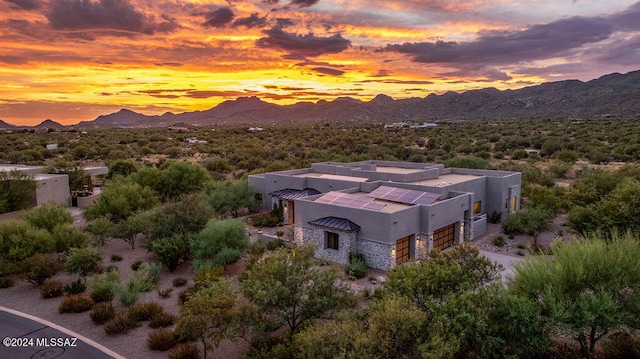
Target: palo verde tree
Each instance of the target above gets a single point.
(287, 289)
(209, 315)
(17, 191)
(588, 290)
(120, 199)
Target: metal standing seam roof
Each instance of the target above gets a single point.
(290, 194)
(341, 224)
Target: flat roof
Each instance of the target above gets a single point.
(446, 180)
(10, 167)
(332, 177)
(399, 170)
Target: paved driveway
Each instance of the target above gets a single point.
(25, 336)
(506, 261)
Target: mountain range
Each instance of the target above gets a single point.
(610, 95)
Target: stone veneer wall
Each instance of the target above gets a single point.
(345, 244)
(422, 246)
(377, 255)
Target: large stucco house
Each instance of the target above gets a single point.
(391, 212)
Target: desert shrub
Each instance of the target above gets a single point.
(144, 311)
(66, 236)
(111, 268)
(128, 297)
(39, 267)
(218, 237)
(48, 216)
(116, 258)
(140, 282)
(102, 313)
(621, 345)
(184, 294)
(184, 351)
(179, 282)
(165, 293)
(227, 256)
(135, 265)
(76, 303)
(273, 245)
(257, 247)
(208, 273)
(151, 270)
(494, 217)
(498, 241)
(357, 267)
(84, 261)
(169, 251)
(20, 240)
(6, 282)
(100, 229)
(104, 289)
(163, 319)
(75, 287)
(51, 289)
(161, 339)
(120, 324)
(267, 220)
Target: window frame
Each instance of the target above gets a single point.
(331, 240)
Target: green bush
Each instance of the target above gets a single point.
(128, 297)
(76, 303)
(357, 267)
(66, 236)
(267, 220)
(116, 258)
(227, 256)
(75, 287)
(275, 244)
(120, 324)
(216, 238)
(161, 339)
(51, 289)
(498, 241)
(144, 311)
(19, 240)
(179, 282)
(84, 261)
(102, 313)
(141, 281)
(207, 272)
(104, 290)
(48, 216)
(169, 251)
(39, 267)
(163, 319)
(184, 351)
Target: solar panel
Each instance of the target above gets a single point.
(349, 200)
(403, 195)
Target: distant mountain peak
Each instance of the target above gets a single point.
(48, 123)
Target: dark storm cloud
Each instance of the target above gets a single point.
(104, 14)
(629, 19)
(252, 21)
(620, 53)
(282, 22)
(219, 17)
(304, 3)
(26, 4)
(328, 71)
(497, 48)
(305, 45)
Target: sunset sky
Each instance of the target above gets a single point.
(73, 60)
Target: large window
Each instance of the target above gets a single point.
(477, 208)
(332, 240)
(402, 250)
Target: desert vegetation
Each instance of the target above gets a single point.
(179, 203)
